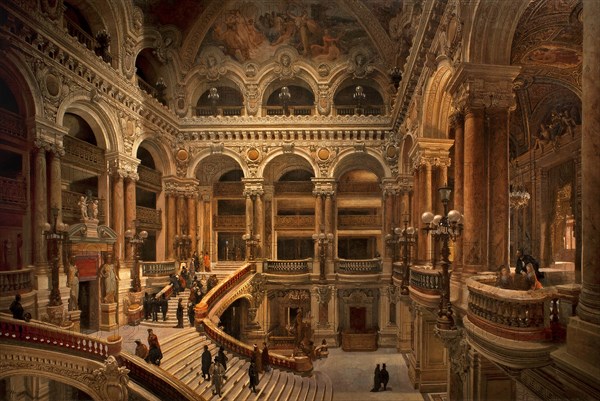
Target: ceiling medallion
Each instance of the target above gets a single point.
(391, 152)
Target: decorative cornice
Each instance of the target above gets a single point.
(122, 165)
(253, 187)
(431, 152)
(324, 186)
(175, 186)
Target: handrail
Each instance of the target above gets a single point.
(287, 266)
(16, 281)
(56, 337)
(426, 281)
(161, 268)
(158, 381)
(358, 266)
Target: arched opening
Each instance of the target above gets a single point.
(220, 100)
(291, 99)
(358, 97)
(148, 77)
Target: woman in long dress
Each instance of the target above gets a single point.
(108, 273)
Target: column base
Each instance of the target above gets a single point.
(108, 316)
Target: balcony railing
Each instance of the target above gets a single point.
(83, 154)
(230, 222)
(293, 110)
(149, 178)
(370, 110)
(12, 124)
(294, 222)
(16, 281)
(364, 266)
(225, 111)
(158, 268)
(148, 217)
(288, 266)
(294, 187)
(71, 209)
(427, 281)
(228, 189)
(353, 221)
(13, 193)
(359, 187)
(515, 314)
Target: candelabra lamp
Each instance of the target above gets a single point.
(252, 241)
(136, 239)
(284, 97)
(323, 240)
(213, 97)
(359, 97)
(407, 238)
(55, 235)
(444, 228)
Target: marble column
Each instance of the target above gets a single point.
(442, 181)
(427, 189)
(457, 123)
(191, 229)
(318, 221)
(206, 227)
(388, 210)
(181, 224)
(118, 216)
(589, 301)
(249, 213)
(259, 224)
(418, 210)
(130, 212)
(498, 187)
(474, 193)
(40, 214)
(171, 226)
(329, 225)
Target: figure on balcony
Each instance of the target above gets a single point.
(522, 261)
(17, 309)
(532, 280)
(109, 279)
(504, 279)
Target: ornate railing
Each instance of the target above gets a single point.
(13, 192)
(16, 281)
(12, 124)
(287, 266)
(228, 189)
(52, 336)
(346, 221)
(160, 383)
(371, 110)
(427, 281)
(149, 177)
(83, 154)
(294, 222)
(158, 268)
(222, 222)
(305, 187)
(363, 266)
(514, 314)
(83, 37)
(148, 217)
(293, 110)
(146, 87)
(358, 187)
(226, 111)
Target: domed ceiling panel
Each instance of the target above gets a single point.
(320, 30)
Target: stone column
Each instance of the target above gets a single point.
(428, 205)
(249, 213)
(388, 207)
(318, 220)
(498, 187)
(589, 301)
(259, 224)
(181, 223)
(130, 212)
(171, 225)
(207, 226)
(457, 123)
(40, 214)
(191, 229)
(118, 216)
(329, 226)
(418, 210)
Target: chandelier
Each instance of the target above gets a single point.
(519, 197)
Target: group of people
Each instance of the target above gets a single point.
(197, 265)
(151, 353)
(527, 274)
(214, 369)
(381, 377)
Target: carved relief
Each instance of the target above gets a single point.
(112, 380)
(212, 64)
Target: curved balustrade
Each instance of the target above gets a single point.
(427, 281)
(287, 266)
(52, 336)
(156, 380)
(219, 290)
(513, 314)
(158, 268)
(363, 266)
(16, 281)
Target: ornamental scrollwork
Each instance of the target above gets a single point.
(258, 288)
(112, 380)
(323, 293)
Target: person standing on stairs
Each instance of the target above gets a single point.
(266, 364)
(179, 314)
(218, 374)
(206, 362)
(164, 307)
(191, 314)
(252, 376)
(222, 360)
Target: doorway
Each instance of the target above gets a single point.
(358, 319)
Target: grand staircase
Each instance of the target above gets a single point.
(181, 358)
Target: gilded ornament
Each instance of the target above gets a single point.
(182, 155)
(323, 154)
(391, 151)
(253, 154)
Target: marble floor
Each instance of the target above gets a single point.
(351, 373)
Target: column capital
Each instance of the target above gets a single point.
(431, 152)
(122, 165)
(253, 187)
(478, 86)
(49, 137)
(389, 186)
(176, 186)
(324, 186)
(457, 119)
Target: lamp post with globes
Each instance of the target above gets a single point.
(407, 239)
(444, 228)
(136, 240)
(323, 240)
(55, 235)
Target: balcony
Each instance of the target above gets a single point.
(83, 154)
(298, 222)
(350, 110)
(13, 194)
(149, 218)
(359, 266)
(292, 110)
(12, 125)
(287, 266)
(224, 111)
(352, 221)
